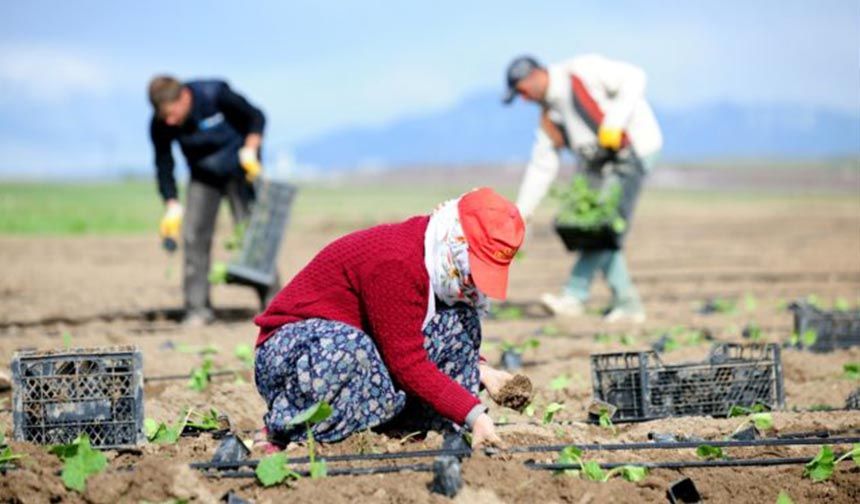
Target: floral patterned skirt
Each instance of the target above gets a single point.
(324, 360)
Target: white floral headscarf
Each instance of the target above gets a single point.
(446, 257)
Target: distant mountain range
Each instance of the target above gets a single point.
(480, 130)
(108, 137)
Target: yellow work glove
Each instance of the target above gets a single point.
(610, 138)
(171, 225)
(250, 163)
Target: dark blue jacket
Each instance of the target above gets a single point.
(210, 138)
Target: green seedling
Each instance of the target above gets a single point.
(592, 470)
(720, 305)
(6, 453)
(851, 370)
(750, 302)
(783, 498)
(207, 421)
(754, 332)
(627, 340)
(80, 461)
(162, 433)
(588, 209)
(550, 411)
(605, 420)
(529, 411)
(204, 350)
(201, 376)
(218, 273)
(806, 339)
(245, 353)
(520, 348)
(507, 312)
(841, 305)
(736, 411)
(67, 339)
(821, 407)
(822, 466)
(809, 337)
(603, 338)
(273, 470)
(317, 413)
(560, 382)
(709, 452)
(814, 301)
(550, 330)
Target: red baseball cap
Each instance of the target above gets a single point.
(494, 230)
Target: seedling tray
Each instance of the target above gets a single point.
(643, 388)
(833, 329)
(256, 262)
(577, 238)
(61, 394)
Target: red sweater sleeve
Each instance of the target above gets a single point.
(395, 306)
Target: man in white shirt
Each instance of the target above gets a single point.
(595, 107)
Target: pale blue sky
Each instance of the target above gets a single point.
(317, 65)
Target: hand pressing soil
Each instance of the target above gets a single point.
(516, 393)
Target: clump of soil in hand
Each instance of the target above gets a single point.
(515, 394)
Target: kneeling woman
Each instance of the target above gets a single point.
(390, 314)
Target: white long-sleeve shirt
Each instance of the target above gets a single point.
(582, 94)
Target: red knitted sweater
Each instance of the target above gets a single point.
(375, 280)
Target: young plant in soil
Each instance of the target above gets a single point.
(6, 453)
(604, 419)
(245, 353)
(507, 312)
(550, 411)
(783, 498)
(757, 415)
(317, 413)
(163, 433)
(709, 452)
(273, 469)
(560, 382)
(822, 466)
(592, 471)
(806, 339)
(851, 371)
(80, 461)
(201, 376)
(750, 302)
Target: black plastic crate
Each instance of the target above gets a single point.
(61, 394)
(833, 329)
(256, 262)
(643, 388)
(577, 238)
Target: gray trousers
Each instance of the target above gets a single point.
(201, 212)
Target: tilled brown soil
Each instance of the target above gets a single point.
(98, 291)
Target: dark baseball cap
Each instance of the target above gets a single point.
(519, 69)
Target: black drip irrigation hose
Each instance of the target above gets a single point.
(680, 464)
(351, 471)
(342, 458)
(221, 466)
(675, 445)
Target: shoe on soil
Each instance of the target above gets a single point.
(564, 305)
(621, 314)
(198, 318)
